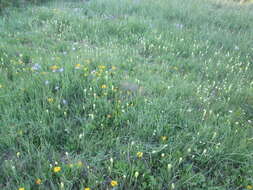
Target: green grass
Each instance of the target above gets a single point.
(90, 86)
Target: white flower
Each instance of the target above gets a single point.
(61, 70)
(64, 101)
(62, 185)
(91, 116)
(136, 174)
(18, 154)
(81, 135)
(180, 26)
(214, 135)
(36, 67)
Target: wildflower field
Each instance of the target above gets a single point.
(126, 95)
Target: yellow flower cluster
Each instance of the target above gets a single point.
(57, 169)
(54, 67)
(101, 67)
(78, 66)
(50, 100)
(114, 183)
(139, 154)
(164, 138)
(38, 181)
(104, 86)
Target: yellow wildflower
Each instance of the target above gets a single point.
(21, 188)
(1, 86)
(50, 100)
(38, 181)
(87, 188)
(103, 86)
(101, 67)
(114, 68)
(249, 187)
(114, 183)
(77, 66)
(139, 154)
(57, 169)
(54, 67)
(164, 138)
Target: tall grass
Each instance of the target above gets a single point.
(17, 3)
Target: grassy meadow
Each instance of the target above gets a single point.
(127, 94)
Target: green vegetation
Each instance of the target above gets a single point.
(18, 3)
(126, 94)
